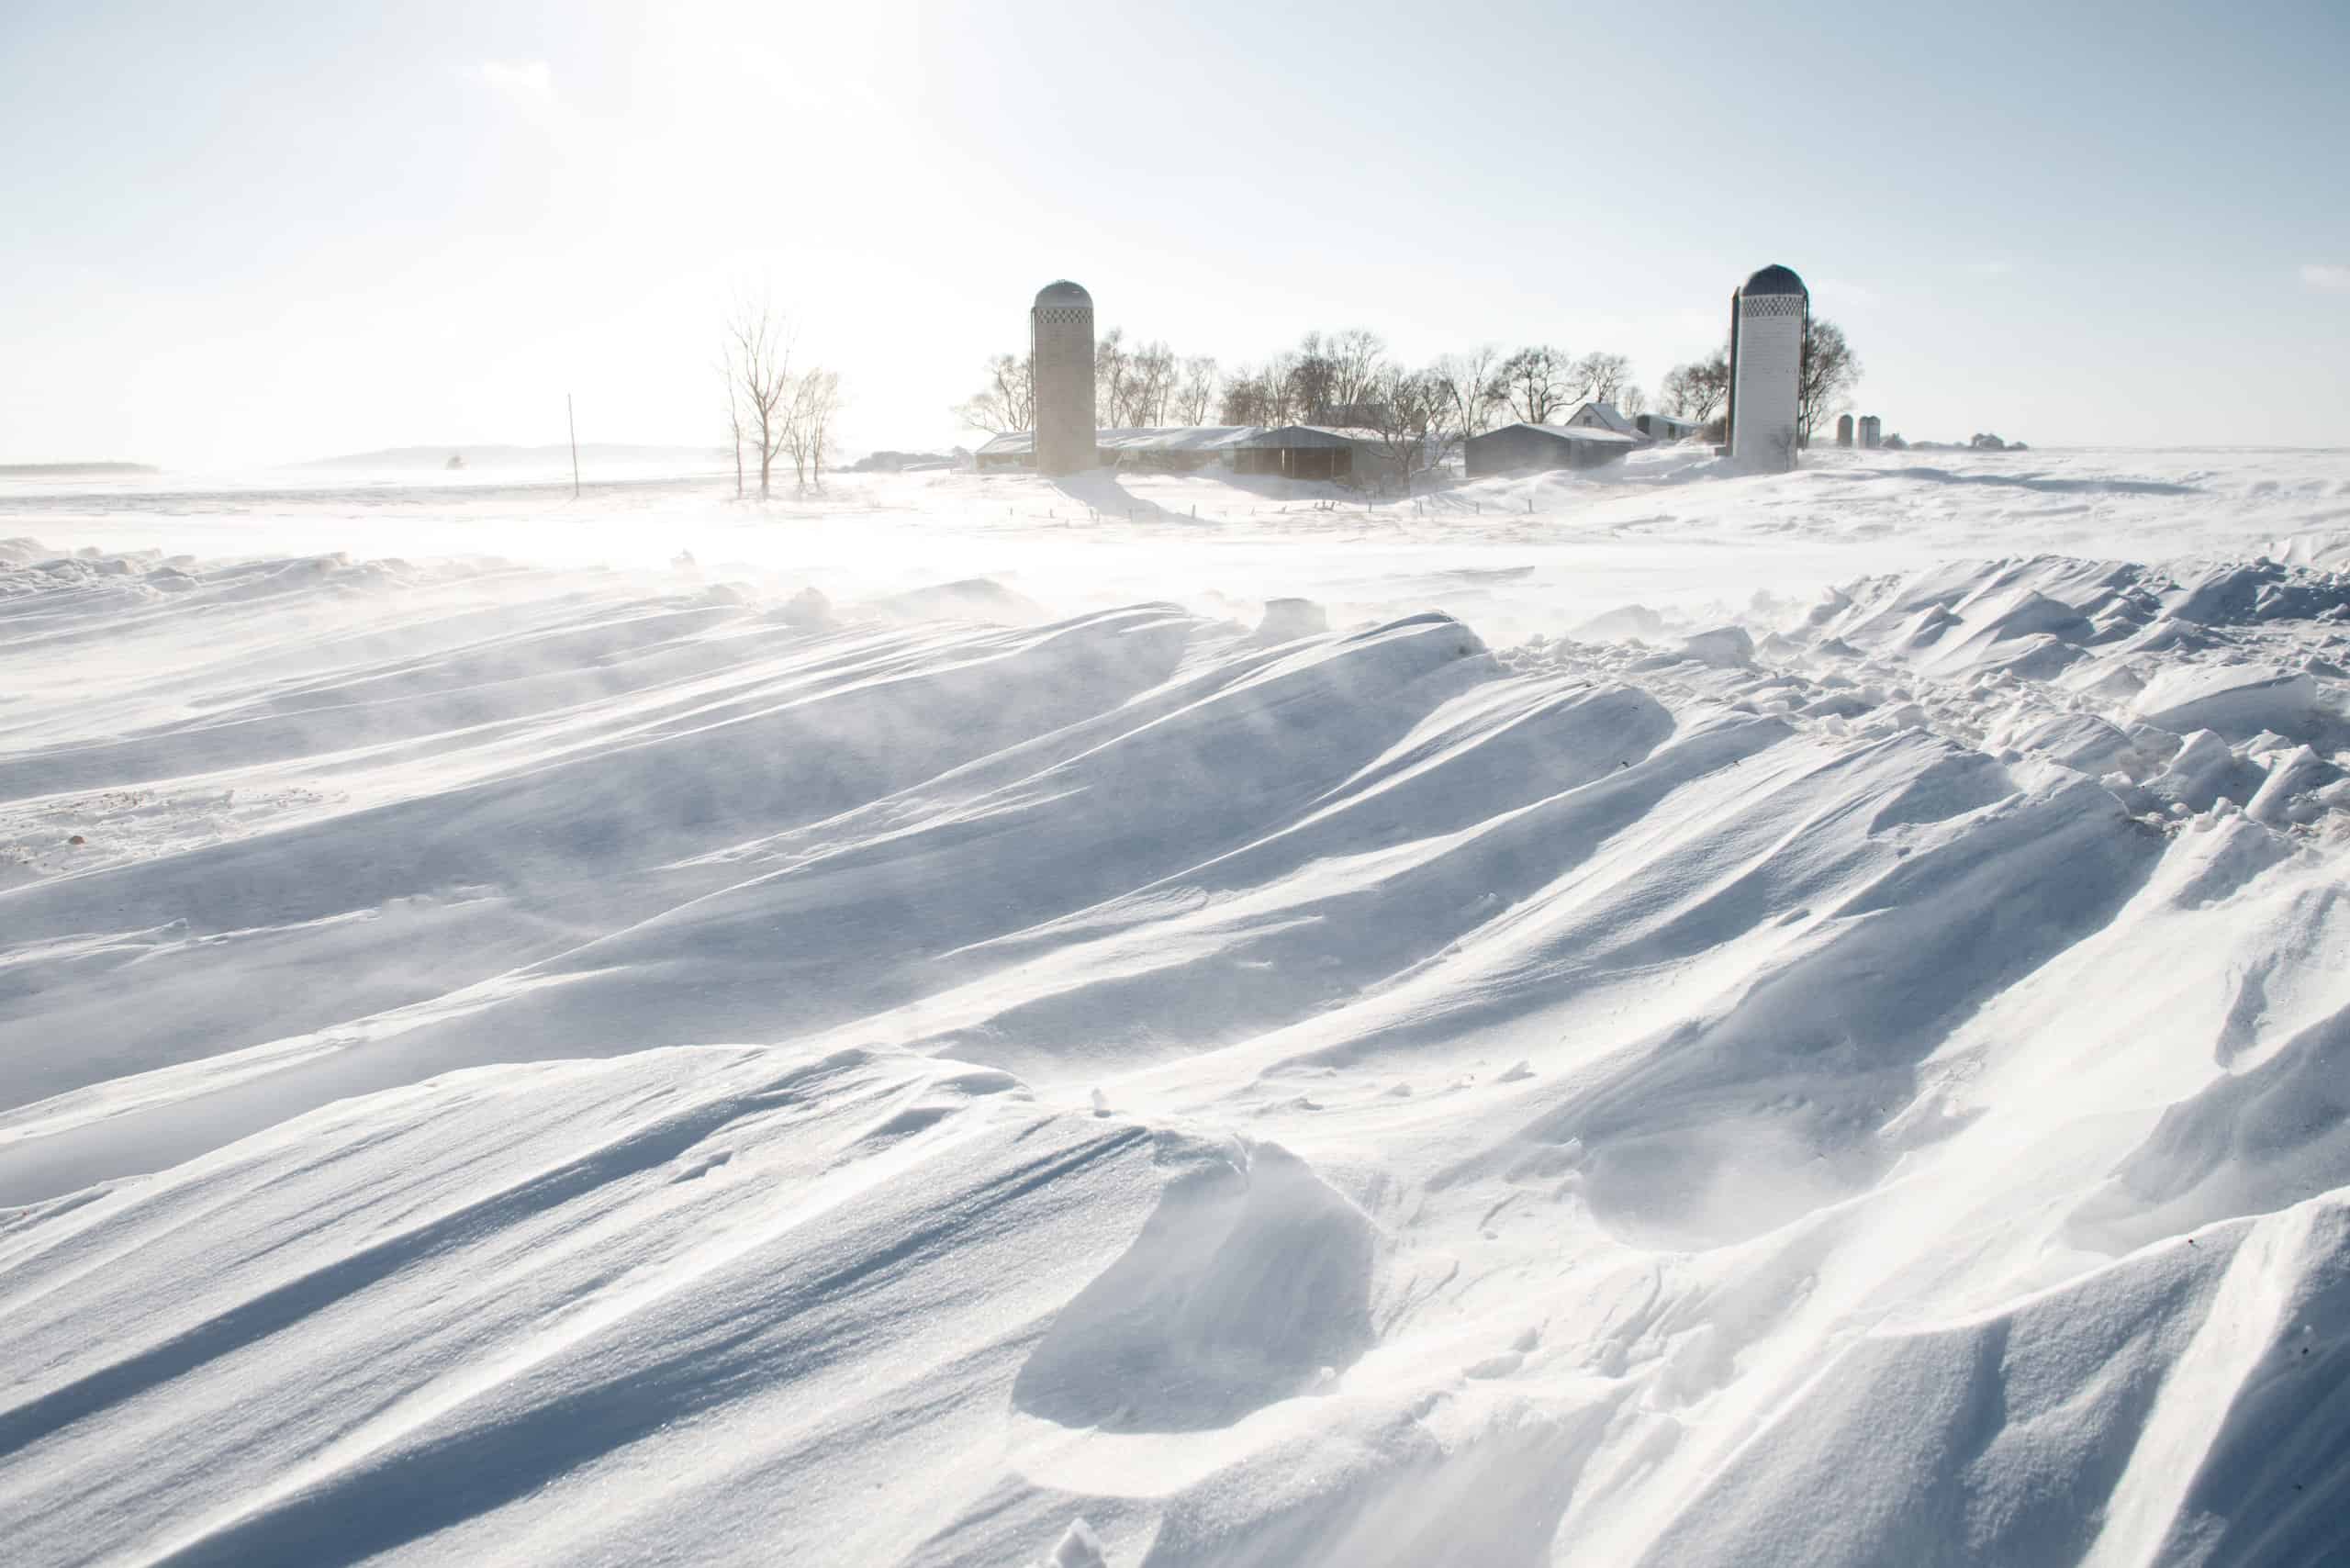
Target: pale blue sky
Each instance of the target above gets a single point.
(260, 233)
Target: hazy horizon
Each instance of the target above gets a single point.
(317, 234)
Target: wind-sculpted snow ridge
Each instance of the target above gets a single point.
(1861, 1086)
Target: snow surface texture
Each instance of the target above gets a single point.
(1739, 1079)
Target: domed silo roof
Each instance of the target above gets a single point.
(1773, 279)
(1063, 293)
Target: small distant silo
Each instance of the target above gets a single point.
(1843, 430)
(1060, 343)
(1872, 430)
(1768, 316)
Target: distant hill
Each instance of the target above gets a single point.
(558, 455)
(72, 470)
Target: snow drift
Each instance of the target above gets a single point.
(506, 1065)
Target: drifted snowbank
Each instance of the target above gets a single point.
(1862, 1086)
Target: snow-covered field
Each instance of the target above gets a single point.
(1638, 1019)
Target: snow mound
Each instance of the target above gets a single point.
(2235, 699)
(1286, 619)
(1862, 1086)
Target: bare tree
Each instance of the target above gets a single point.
(1111, 366)
(1313, 378)
(1632, 400)
(1414, 414)
(759, 379)
(1536, 383)
(1698, 391)
(1278, 382)
(1149, 386)
(1830, 370)
(1676, 393)
(1357, 358)
(1243, 401)
(1195, 393)
(817, 399)
(1266, 395)
(1599, 378)
(1008, 402)
(733, 424)
(1472, 382)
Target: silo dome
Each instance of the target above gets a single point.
(1064, 293)
(1773, 279)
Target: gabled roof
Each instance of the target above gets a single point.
(1144, 438)
(1311, 435)
(1173, 438)
(1586, 433)
(1608, 414)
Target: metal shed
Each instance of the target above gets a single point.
(1525, 448)
(1013, 450)
(1335, 452)
(1179, 448)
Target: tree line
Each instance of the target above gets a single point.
(1348, 378)
(1418, 415)
(1329, 378)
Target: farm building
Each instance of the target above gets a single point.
(1316, 452)
(1173, 449)
(1176, 449)
(1524, 449)
(1665, 427)
(1600, 417)
(1007, 453)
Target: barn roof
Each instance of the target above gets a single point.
(1311, 435)
(1173, 438)
(1586, 433)
(1607, 414)
(1144, 438)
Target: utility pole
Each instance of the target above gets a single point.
(573, 426)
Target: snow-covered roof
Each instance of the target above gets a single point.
(1311, 435)
(1141, 438)
(1173, 438)
(1608, 414)
(1569, 432)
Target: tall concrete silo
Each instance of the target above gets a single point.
(1843, 430)
(1060, 340)
(1768, 316)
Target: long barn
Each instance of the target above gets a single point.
(1526, 449)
